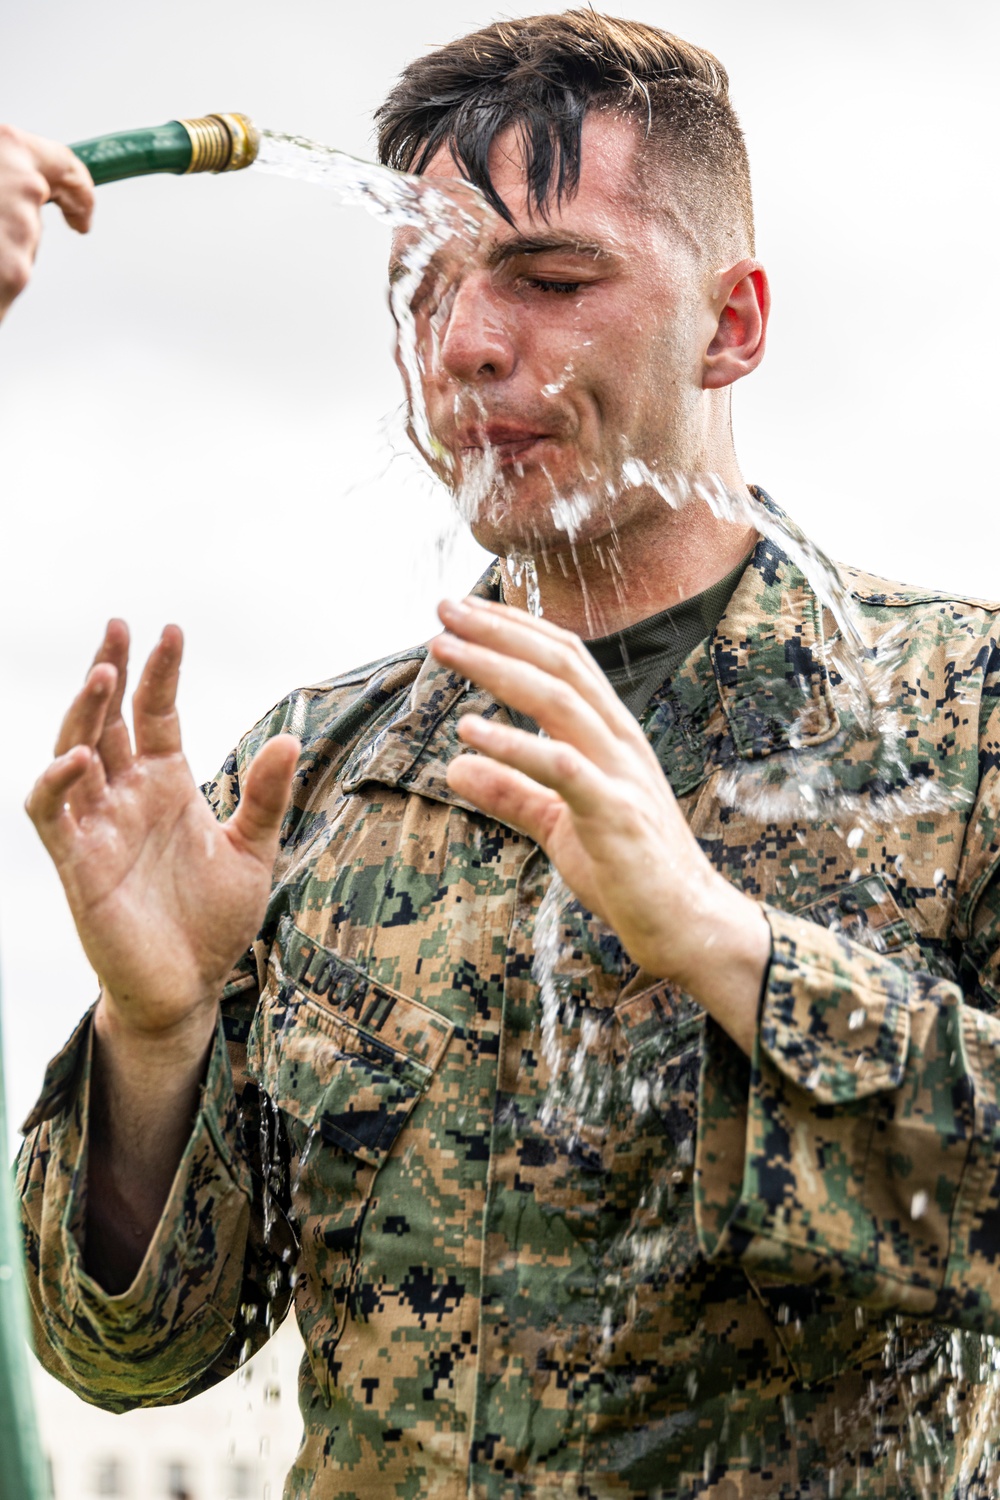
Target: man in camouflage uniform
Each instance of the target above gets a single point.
(683, 1184)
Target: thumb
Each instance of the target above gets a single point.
(264, 799)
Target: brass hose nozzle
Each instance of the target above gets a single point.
(221, 143)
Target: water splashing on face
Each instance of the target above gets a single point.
(439, 215)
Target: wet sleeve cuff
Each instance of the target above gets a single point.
(839, 1152)
(174, 1319)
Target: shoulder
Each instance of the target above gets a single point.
(340, 709)
(872, 591)
(938, 641)
(328, 718)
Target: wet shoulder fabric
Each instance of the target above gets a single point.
(606, 1256)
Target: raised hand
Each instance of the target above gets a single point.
(164, 897)
(34, 172)
(594, 796)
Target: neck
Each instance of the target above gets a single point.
(602, 585)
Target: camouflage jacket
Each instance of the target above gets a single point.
(609, 1257)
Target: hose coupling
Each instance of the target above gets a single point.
(221, 143)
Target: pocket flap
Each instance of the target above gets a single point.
(342, 1054)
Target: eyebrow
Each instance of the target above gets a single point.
(542, 244)
(537, 244)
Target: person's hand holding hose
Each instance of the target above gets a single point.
(34, 172)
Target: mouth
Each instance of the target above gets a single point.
(509, 445)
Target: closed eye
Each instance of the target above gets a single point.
(564, 288)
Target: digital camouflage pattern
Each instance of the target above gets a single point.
(620, 1259)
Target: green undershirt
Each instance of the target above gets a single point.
(640, 658)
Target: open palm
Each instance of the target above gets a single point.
(164, 897)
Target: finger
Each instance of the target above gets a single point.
(264, 798)
(115, 745)
(84, 719)
(559, 767)
(533, 639)
(69, 183)
(557, 706)
(505, 794)
(47, 805)
(154, 704)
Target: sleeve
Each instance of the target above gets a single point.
(217, 1277)
(859, 1148)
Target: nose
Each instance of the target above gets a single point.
(476, 345)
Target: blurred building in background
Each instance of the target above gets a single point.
(235, 1442)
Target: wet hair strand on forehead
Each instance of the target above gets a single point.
(541, 75)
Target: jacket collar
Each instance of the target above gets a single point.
(757, 686)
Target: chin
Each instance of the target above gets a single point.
(508, 526)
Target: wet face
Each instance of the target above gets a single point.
(557, 349)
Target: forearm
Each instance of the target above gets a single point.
(145, 1092)
(170, 1332)
(728, 950)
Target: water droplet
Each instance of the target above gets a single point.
(854, 838)
(813, 1080)
(857, 1018)
(918, 1206)
(640, 1096)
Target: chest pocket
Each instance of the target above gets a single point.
(344, 1061)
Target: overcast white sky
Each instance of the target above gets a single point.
(192, 401)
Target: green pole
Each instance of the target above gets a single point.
(23, 1473)
(211, 143)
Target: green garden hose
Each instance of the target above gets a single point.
(212, 143)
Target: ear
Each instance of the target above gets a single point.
(737, 347)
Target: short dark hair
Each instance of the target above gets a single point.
(542, 74)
